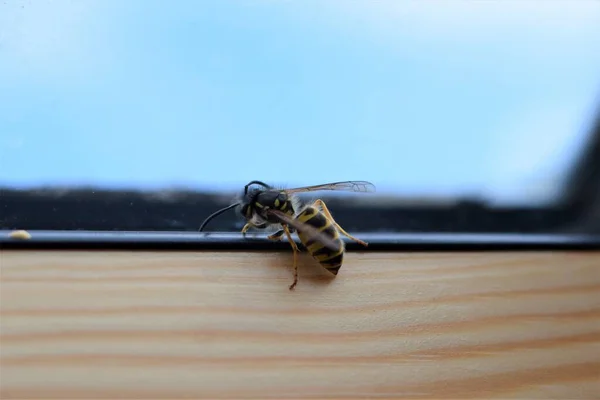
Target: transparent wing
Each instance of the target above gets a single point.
(305, 228)
(348, 186)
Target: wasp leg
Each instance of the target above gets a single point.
(296, 251)
(277, 235)
(246, 227)
(321, 204)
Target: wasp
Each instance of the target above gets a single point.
(263, 206)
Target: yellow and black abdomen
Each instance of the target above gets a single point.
(328, 258)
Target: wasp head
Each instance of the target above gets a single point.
(253, 203)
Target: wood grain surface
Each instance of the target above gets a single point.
(224, 325)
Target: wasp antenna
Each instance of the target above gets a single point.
(216, 213)
(255, 183)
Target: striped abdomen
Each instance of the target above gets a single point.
(329, 259)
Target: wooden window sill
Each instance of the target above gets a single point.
(144, 324)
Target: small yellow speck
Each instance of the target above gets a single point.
(21, 234)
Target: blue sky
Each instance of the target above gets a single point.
(421, 98)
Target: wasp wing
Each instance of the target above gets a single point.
(305, 228)
(348, 186)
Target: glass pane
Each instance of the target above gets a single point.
(430, 101)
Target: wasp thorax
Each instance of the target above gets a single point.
(270, 199)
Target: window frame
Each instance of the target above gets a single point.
(579, 209)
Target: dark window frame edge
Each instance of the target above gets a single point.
(150, 241)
